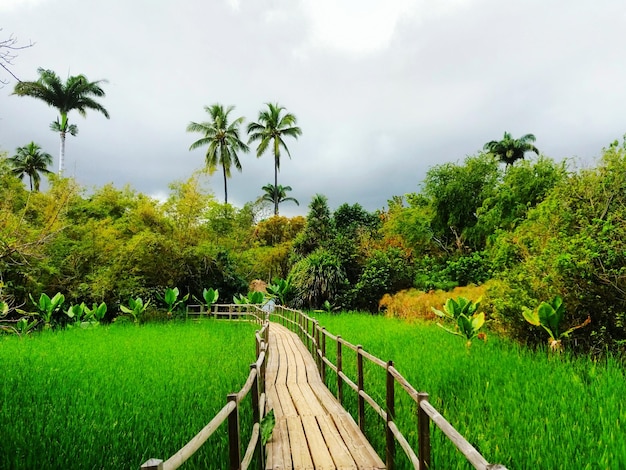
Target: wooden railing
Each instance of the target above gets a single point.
(255, 384)
(224, 311)
(315, 338)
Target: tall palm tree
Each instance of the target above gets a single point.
(223, 141)
(509, 150)
(277, 195)
(30, 160)
(271, 127)
(77, 93)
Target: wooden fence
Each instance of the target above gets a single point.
(316, 337)
(255, 384)
(224, 311)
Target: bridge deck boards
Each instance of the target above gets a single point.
(313, 431)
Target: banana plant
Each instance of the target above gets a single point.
(327, 307)
(24, 326)
(254, 297)
(4, 309)
(280, 290)
(46, 307)
(135, 308)
(210, 296)
(465, 313)
(76, 312)
(549, 315)
(95, 314)
(172, 300)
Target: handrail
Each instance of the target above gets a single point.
(255, 384)
(314, 337)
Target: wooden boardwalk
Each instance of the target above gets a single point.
(313, 431)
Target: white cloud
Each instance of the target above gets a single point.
(365, 26)
(234, 4)
(354, 26)
(7, 5)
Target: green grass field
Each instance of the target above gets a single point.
(112, 397)
(519, 408)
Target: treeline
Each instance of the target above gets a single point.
(529, 231)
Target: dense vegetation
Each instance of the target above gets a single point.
(113, 397)
(528, 231)
(519, 408)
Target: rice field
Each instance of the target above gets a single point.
(519, 408)
(112, 397)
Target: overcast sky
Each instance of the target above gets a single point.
(382, 90)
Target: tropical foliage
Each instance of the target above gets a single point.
(524, 233)
(29, 161)
(269, 131)
(509, 150)
(277, 195)
(222, 140)
(76, 93)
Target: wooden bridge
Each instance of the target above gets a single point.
(313, 430)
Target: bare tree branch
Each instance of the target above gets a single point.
(8, 48)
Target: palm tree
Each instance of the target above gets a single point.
(223, 141)
(270, 129)
(277, 195)
(509, 150)
(76, 93)
(30, 160)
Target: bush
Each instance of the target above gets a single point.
(385, 272)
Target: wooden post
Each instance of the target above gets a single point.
(254, 391)
(423, 432)
(323, 372)
(306, 333)
(339, 379)
(234, 436)
(153, 464)
(391, 411)
(263, 367)
(318, 358)
(360, 399)
(257, 415)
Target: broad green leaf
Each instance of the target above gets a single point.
(478, 321)
(267, 427)
(531, 316)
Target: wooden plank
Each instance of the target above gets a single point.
(308, 362)
(278, 451)
(317, 444)
(281, 376)
(287, 405)
(300, 456)
(273, 362)
(273, 402)
(337, 448)
(360, 449)
(313, 429)
(297, 357)
(303, 407)
(311, 398)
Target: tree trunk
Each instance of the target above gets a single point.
(225, 187)
(276, 195)
(62, 153)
